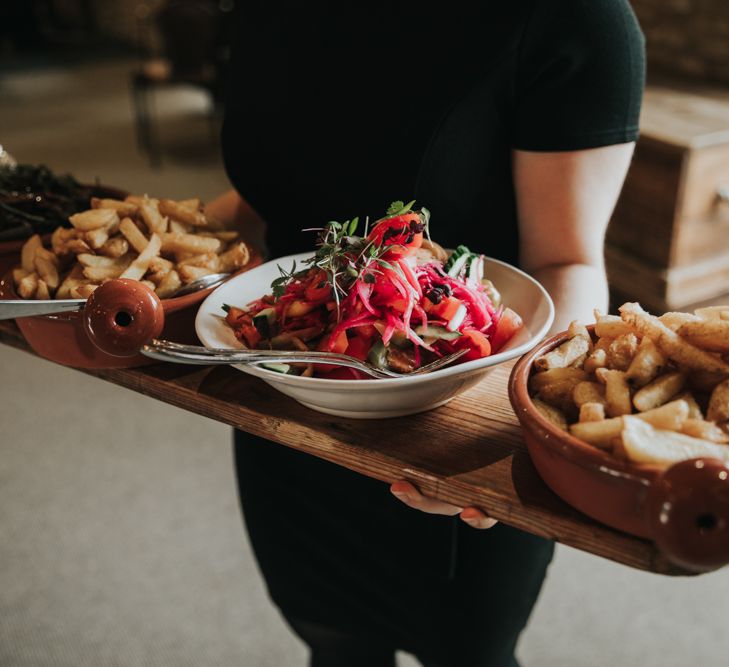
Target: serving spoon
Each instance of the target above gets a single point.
(13, 308)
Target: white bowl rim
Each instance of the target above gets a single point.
(459, 369)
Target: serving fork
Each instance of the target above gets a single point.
(163, 350)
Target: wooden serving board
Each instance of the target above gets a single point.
(468, 452)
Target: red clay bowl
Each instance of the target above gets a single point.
(63, 337)
(684, 509)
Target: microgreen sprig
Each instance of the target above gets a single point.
(345, 257)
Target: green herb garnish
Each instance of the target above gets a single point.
(398, 208)
(345, 257)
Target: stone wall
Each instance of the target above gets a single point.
(687, 38)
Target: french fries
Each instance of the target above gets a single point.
(121, 207)
(658, 391)
(645, 444)
(139, 266)
(94, 218)
(27, 254)
(551, 413)
(185, 214)
(617, 392)
(592, 412)
(719, 403)
(698, 428)
(556, 376)
(707, 334)
(621, 352)
(588, 392)
(669, 342)
(646, 364)
(133, 234)
(640, 390)
(191, 244)
(564, 355)
(598, 433)
(161, 243)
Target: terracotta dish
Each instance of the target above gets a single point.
(684, 509)
(118, 319)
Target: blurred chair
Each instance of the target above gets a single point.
(193, 53)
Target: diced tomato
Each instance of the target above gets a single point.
(321, 370)
(368, 332)
(318, 288)
(338, 344)
(479, 346)
(384, 291)
(400, 305)
(251, 335)
(446, 309)
(298, 308)
(509, 323)
(234, 315)
(358, 348)
(403, 232)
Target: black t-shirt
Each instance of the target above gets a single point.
(336, 109)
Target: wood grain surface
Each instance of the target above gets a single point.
(469, 452)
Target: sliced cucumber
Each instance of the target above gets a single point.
(378, 355)
(459, 265)
(398, 339)
(284, 369)
(475, 268)
(457, 319)
(455, 255)
(264, 320)
(493, 293)
(436, 332)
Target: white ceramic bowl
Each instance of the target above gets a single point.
(374, 399)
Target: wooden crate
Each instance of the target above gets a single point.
(668, 242)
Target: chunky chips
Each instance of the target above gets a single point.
(162, 243)
(650, 389)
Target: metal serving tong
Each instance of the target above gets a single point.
(12, 308)
(163, 350)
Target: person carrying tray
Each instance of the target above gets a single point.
(514, 123)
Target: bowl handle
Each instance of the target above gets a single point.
(688, 513)
(121, 316)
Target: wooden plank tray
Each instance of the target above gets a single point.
(469, 452)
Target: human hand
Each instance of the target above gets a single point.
(408, 494)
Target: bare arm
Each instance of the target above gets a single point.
(564, 203)
(234, 211)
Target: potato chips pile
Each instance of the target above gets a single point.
(648, 389)
(160, 242)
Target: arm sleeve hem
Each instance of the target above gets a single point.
(578, 141)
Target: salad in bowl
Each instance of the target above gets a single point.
(390, 297)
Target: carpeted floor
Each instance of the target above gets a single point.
(120, 538)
